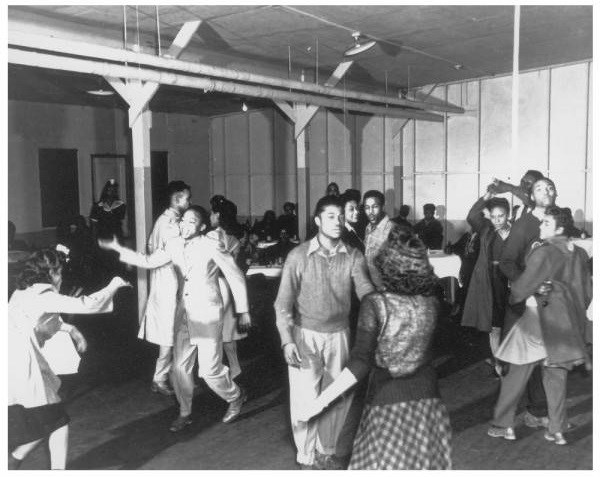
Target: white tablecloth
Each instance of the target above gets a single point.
(444, 265)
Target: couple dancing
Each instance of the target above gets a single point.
(198, 261)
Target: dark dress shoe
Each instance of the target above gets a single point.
(180, 423)
(162, 388)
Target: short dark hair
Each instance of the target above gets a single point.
(289, 205)
(498, 202)
(429, 207)
(177, 186)
(536, 175)
(404, 210)
(375, 194)
(201, 213)
(326, 201)
(38, 266)
(227, 211)
(562, 216)
(349, 195)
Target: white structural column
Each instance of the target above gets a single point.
(302, 185)
(142, 180)
(515, 98)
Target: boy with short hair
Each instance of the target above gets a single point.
(312, 309)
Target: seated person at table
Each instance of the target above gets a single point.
(267, 229)
(430, 230)
(289, 220)
(248, 253)
(402, 218)
(278, 253)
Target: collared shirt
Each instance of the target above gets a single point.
(316, 287)
(374, 239)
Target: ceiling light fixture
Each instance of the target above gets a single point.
(100, 92)
(244, 107)
(358, 46)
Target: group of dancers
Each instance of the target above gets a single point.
(356, 316)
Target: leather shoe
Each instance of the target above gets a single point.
(180, 423)
(162, 388)
(235, 407)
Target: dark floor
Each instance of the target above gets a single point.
(117, 423)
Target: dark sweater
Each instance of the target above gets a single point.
(523, 233)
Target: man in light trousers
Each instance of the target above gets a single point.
(312, 309)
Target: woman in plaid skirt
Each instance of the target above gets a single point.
(404, 424)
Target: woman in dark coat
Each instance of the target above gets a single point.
(488, 289)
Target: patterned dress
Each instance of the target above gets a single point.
(404, 424)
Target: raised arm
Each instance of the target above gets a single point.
(99, 302)
(475, 217)
(155, 260)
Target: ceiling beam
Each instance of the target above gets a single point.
(51, 61)
(305, 113)
(149, 89)
(99, 52)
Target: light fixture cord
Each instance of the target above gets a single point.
(158, 31)
(125, 29)
(317, 60)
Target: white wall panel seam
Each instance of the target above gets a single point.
(587, 129)
(547, 172)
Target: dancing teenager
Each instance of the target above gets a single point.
(312, 310)
(404, 424)
(556, 289)
(35, 411)
(158, 323)
(198, 261)
(485, 304)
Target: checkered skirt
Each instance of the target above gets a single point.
(404, 435)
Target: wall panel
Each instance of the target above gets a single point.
(463, 129)
(236, 144)
(495, 125)
(370, 143)
(340, 134)
(533, 119)
(261, 142)
(317, 143)
(568, 118)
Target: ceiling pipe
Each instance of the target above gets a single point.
(70, 47)
(45, 60)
